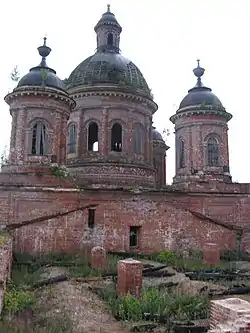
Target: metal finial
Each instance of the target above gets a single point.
(198, 72)
(108, 8)
(44, 51)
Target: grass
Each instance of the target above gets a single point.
(173, 305)
(27, 269)
(193, 262)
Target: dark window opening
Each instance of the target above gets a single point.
(134, 236)
(93, 137)
(116, 137)
(72, 139)
(213, 152)
(39, 139)
(91, 218)
(110, 39)
(181, 155)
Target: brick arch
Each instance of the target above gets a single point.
(213, 136)
(35, 120)
(119, 121)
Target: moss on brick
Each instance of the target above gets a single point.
(4, 237)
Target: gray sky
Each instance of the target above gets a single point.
(162, 37)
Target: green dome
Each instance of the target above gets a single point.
(110, 68)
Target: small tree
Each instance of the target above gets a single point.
(166, 133)
(15, 75)
(4, 157)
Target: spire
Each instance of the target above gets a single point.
(108, 8)
(44, 51)
(198, 72)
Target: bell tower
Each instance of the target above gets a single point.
(201, 135)
(108, 32)
(40, 109)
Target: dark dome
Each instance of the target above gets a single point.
(39, 76)
(156, 136)
(109, 19)
(107, 68)
(42, 75)
(200, 95)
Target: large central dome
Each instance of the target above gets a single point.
(107, 65)
(110, 68)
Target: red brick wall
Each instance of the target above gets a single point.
(163, 225)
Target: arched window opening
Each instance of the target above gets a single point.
(138, 141)
(212, 152)
(181, 154)
(116, 137)
(110, 39)
(39, 144)
(72, 139)
(93, 137)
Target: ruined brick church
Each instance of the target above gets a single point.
(90, 140)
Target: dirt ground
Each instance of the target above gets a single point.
(86, 310)
(88, 313)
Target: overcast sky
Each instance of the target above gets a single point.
(163, 37)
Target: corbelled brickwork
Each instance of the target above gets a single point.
(5, 263)
(129, 279)
(230, 315)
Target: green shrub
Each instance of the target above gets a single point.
(17, 300)
(168, 257)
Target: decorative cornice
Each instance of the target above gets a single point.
(198, 110)
(45, 92)
(160, 144)
(40, 105)
(114, 91)
(109, 164)
(200, 124)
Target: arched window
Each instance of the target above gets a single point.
(110, 39)
(138, 141)
(116, 137)
(212, 152)
(181, 154)
(93, 137)
(39, 144)
(72, 139)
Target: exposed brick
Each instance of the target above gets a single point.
(230, 315)
(98, 257)
(211, 254)
(129, 277)
(5, 263)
